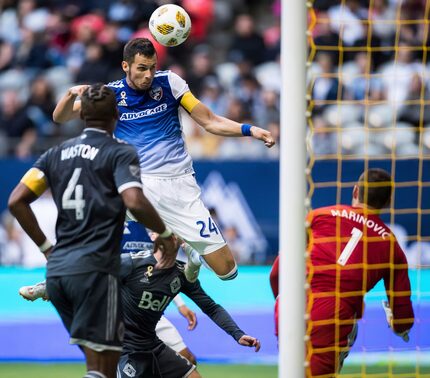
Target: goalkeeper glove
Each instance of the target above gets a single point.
(389, 316)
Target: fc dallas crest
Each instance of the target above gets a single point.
(156, 93)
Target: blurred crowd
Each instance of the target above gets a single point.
(231, 62)
(369, 78)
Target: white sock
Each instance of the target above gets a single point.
(193, 255)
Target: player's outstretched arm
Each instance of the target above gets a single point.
(218, 125)
(67, 108)
(218, 314)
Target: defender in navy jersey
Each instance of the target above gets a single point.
(136, 239)
(92, 178)
(146, 292)
(148, 102)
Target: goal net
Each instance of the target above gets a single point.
(368, 106)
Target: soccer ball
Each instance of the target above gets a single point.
(170, 25)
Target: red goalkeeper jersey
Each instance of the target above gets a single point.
(351, 249)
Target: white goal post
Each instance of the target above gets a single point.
(292, 190)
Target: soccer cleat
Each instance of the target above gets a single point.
(33, 292)
(192, 267)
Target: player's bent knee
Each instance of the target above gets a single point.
(231, 275)
(221, 261)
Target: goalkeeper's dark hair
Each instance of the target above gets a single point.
(98, 105)
(375, 187)
(141, 46)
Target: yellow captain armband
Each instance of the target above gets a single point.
(35, 180)
(189, 102)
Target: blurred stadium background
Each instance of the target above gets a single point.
(369, 97)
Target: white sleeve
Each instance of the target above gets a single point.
(178, 301)
(178, 85)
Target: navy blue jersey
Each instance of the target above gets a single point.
(146, 292)
(86, 175)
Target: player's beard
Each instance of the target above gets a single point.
(139, 84)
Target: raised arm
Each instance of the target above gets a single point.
(67, 108)
(218, 125)
(219, 315)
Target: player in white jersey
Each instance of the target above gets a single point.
(148, 103)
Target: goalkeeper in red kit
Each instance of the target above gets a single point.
(350, 250)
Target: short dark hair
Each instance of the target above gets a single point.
(375, 187)
(141, 46)
(98, 104)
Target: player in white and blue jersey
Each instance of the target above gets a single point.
(148, 102)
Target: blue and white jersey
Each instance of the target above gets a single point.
(135, 238)
(150, 121)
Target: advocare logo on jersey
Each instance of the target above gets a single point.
(147, 303)
(144, 113)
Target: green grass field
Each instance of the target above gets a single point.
(31, 370)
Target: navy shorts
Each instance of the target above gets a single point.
(162, 361)
(89, 305)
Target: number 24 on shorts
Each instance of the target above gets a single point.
(206, 229)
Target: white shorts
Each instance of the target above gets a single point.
(169, 335)
(177, 200)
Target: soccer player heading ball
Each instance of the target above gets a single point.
(148, 103)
